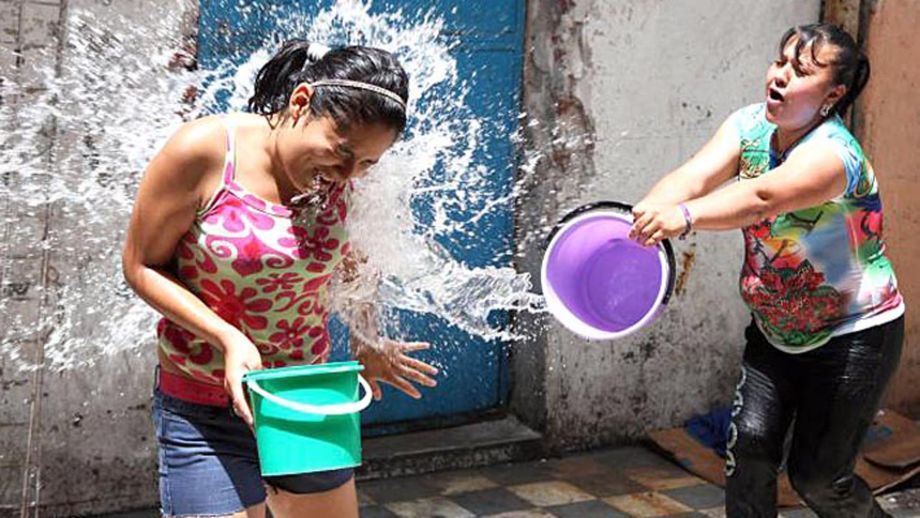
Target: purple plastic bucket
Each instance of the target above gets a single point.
(599, 283)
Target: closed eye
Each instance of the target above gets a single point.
(801, 70)
(344, 152)
(798, 67)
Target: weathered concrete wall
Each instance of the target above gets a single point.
(888, 125)
(74, 441)
(28, 29)
(624, 91)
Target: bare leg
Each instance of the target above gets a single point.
(341, 502)
(256, 511)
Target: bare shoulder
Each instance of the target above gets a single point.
(201, 142)
(190, 162)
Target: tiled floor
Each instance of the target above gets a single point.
(609, 483)
(614, 483)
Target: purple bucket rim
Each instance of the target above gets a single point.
(571, 321)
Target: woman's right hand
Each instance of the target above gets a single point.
(240, 357)
(654, 222)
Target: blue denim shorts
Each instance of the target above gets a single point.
(209, 465)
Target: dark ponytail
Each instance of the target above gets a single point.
(300, 62)
(851, 66)
(855, 83)
(276, 79)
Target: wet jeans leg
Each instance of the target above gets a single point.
(842, 388)
(761, 414)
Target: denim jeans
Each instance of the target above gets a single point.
(209, 466)
(829, 397)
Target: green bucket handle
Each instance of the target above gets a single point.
(305, 408)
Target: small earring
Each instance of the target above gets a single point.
(825, 110)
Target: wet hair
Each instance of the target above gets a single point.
(851, 66)
(296, 62)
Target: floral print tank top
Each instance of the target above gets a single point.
(822, 271)
(262, 267)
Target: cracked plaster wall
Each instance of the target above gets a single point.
(618, 93)
(90, 449)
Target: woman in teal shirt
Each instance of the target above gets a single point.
(827, 323)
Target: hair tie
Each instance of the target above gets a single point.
(316, 51)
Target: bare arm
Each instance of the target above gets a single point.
(813, 175)
(175, 184)
(714, 164)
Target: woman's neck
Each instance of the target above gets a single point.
(785, 139)
(259, 166)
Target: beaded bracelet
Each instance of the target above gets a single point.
(688, 221)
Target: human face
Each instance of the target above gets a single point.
(314, 150)
(797, 87)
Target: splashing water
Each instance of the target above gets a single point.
(72, 156)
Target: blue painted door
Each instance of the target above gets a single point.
(489, 53)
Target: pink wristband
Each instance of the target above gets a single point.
(688, 221)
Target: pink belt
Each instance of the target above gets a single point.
(192, 391)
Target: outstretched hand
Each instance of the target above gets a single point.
(653, 223)
(388, 361)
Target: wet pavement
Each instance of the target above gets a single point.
(618, 482)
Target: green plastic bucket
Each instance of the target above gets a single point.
(307, 417)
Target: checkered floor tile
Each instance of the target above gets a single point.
(608, 483)
(622, 482)
(611, 483)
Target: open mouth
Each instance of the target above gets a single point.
(322, 179)
(774, 95)
(325, 179)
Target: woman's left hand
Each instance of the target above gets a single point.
(653, 223)
(389, 361)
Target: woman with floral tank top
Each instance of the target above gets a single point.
(238, 227)
(828, 323)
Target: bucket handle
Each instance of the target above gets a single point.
(305, 408)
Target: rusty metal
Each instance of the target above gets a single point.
(844, 13)
(688, 259)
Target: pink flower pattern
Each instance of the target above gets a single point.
(264, 268)
(279, 281)
(290, 335)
